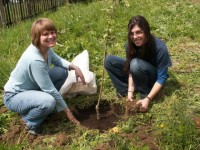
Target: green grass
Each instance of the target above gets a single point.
(84, 26)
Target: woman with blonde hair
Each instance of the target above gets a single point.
(33, 86)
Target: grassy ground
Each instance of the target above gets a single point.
(89, 26)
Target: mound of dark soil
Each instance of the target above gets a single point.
(56, 123)
(56, 126)
(108, 117)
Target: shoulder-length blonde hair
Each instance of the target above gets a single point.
(38, 27)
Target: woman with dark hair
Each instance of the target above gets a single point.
(145, 69)
(33, 87)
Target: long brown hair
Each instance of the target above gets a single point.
(146, 51)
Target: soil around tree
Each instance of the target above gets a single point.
(109, 116)
(88, 119)
(55, 126)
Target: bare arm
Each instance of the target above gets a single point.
(144, 103)
(130, 88)
(162, 77)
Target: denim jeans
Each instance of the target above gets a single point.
(143, 73)
(34, 106)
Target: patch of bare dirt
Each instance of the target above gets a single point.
(108, 117)
(57, 134)
(131, 107)
(196, 120)
(3, 109)
(195, 1)
(55, 125)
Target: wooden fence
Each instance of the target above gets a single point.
(12, 11)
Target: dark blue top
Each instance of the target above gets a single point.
(160, 59)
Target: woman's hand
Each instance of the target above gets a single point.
(78, 73)
(71, 116)
(143, 104)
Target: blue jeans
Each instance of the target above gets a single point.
(35, 106)
(143, 73)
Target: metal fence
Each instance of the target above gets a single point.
(12, 11)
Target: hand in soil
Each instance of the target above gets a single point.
(143, 105)
(71, 117)
(131, 107)
(136, 106)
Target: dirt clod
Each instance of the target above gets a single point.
(131, 107)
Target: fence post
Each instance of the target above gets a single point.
(69, 1)
(2, 14)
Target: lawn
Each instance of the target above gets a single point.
(173, 120)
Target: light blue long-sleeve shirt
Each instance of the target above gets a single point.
(32, 73)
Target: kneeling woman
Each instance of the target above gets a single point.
(33, 87)
(145, 69)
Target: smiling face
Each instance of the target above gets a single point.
(137, 36)
(47, 39)
(43, 33)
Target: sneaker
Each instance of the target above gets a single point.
(35, 131)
